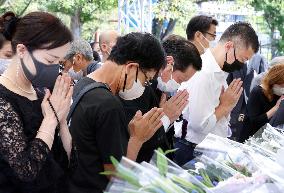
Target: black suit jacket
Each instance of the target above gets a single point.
(236, 125)
(278, 117)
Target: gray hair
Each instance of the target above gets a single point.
(276, 60)
(80, 46)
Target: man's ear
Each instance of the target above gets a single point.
(80, 57)
(170, 60)
(103, 47)
(228, 46)
(21, 50)
(76, 58)
(131, 65)
(198, 35)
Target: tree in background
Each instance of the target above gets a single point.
(17, 6)
(80, 11)
(168, 12)
(273, 14)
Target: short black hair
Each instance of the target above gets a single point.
(200, 23)
(143, 48)
(244, 33)
(184, 53)
(2, 40)
(96, 56)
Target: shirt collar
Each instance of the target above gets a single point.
(209, 62)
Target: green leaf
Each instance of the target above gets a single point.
(162, 162)
(127, 175)
(186, 184)
(206, 178)
(108, 173)
(170, 151)
(114, 161)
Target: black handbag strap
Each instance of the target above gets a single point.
(78, 96)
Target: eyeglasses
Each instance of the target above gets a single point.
(62, 64)
(213, 35)
(147, 81)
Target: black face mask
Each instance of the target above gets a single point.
(235, 66)
(45, 76)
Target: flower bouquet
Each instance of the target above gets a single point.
(228, 153)
(224, 166)
(161, 176)
(209, 171)
(267, 141)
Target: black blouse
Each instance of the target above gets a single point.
(26, 163)
(258, 105)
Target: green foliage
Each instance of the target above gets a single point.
(162, 162)
(103, 20)
(272, 9)
(123, 173)
(81, 12)
(239, 168)
(17, 6)
(206, 179)
(2, 2)
(175, 9)
(273, 15)
(87, 8)
(187, 185)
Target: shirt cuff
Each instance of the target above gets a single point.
(166, 122)
(209, 124)
(178, 129)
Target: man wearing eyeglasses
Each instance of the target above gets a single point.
(201, 31)
(98, 123)
(211, 99)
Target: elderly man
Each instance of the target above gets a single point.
(98, 125)
(106, 41)
(79, 60)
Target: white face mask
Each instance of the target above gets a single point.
(170, 86)
(101, 56)
(204, 49)
(134, 92)
(4, 64)
(278, 90)
(75, 75)
(212, 44)
(108, 52)
(209, 42)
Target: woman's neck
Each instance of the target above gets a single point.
(14, 79)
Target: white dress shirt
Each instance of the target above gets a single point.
(204, 93)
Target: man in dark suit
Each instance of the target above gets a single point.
(238, 114)
(278, 119)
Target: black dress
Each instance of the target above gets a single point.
(26, 163)
(258, 105)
